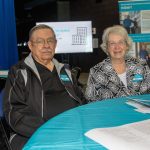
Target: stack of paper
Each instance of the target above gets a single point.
(142, 106)
(134, 136)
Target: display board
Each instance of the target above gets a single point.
(72, 37)
(135, 17)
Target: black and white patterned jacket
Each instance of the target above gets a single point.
(104, 83)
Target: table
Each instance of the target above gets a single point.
(66, 131)
(3, 77)
(3, 73)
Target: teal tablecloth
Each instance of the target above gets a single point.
(66, 131)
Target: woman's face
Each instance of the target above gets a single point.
(117, 46)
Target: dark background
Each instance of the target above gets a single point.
(102, 13)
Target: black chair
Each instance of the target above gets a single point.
(76, 71)
(4, 129)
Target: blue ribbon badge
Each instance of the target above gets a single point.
(137, 78)
(64, 77)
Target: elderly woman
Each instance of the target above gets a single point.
(118, 75)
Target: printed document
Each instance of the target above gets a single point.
(133, 136)
(142, 108)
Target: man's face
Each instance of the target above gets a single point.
(42, 45)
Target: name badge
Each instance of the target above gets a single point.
(137, 78)
(64, 77)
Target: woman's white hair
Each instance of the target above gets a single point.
(116, 29)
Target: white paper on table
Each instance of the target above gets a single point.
(140, 108)
(133, 136)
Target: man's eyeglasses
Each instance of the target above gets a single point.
(42, 42)
(113, 44)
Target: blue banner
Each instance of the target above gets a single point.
(134, 5)
(8, 42)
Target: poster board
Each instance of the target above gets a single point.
(72, 36)
(135, 17)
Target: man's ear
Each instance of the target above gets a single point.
(55, 43)
(30, 45)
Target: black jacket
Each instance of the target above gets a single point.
(24, 97)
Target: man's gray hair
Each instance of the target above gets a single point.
(40, 26)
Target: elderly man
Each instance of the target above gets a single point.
(38, 88)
